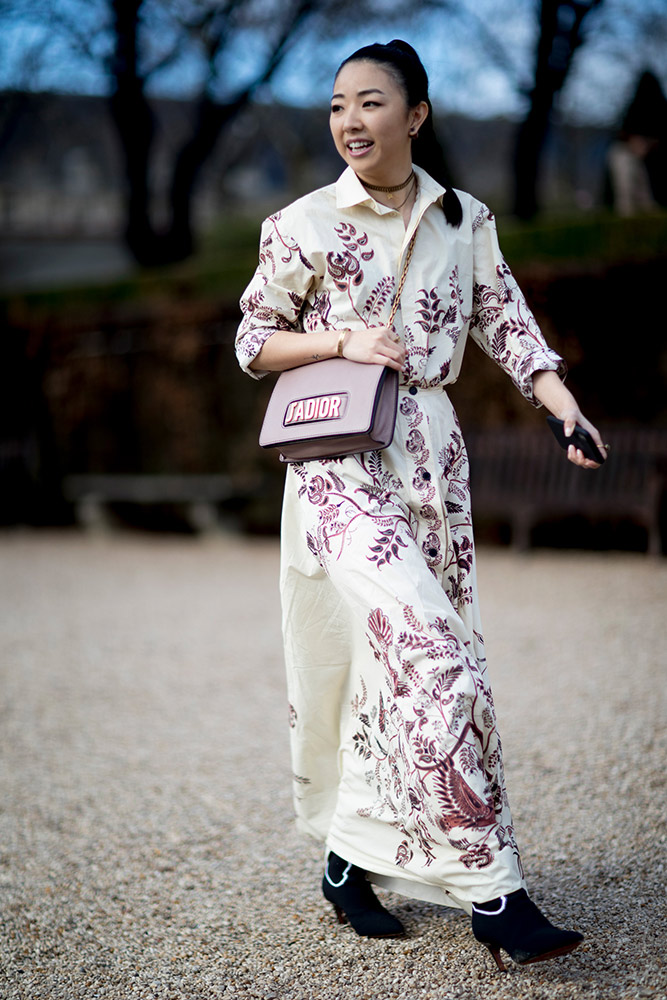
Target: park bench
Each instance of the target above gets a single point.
(519, 476)
(199, 494)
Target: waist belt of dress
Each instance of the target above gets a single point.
(414, 390)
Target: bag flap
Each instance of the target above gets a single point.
(326, 399)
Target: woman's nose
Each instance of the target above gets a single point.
(351, 120)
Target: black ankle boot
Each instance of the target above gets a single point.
(515, 924)
(346, 887)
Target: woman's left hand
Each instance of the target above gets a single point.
(570, 418)
(550, 390)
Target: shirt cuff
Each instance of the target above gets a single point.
(541, 360)
(248, 347)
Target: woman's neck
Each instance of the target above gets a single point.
(401, 200)
(387, 175)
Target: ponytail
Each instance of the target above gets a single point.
(428, 154)
(401, 60)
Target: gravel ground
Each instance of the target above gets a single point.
(146, 838)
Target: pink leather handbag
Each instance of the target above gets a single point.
(331, 408)
(334, 407)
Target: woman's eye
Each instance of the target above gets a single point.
(335, 108)
(371, 104)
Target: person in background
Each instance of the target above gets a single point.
(637, 159)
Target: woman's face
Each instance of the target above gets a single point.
(371, 122)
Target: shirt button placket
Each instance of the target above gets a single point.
(435, 499)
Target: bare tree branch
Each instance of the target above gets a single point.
(493, 47)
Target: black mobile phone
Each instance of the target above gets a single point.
(580, 439)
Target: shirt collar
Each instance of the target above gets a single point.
(350, 191)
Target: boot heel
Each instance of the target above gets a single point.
(495, 951)
(340, 916)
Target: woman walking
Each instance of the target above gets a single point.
(397, 760)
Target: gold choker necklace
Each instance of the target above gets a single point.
(389, 190)
(412, 187)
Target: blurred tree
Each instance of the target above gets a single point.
(218, 52)
(215, 28)
(621, 38)
(560, 35)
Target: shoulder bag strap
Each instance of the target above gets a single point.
(401, 280)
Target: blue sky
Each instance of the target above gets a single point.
(465, 78)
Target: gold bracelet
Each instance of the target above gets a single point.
(341, 341)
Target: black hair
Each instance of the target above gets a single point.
(407, 69)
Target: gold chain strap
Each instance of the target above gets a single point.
(401, 282)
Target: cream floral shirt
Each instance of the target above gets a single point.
(330, 261)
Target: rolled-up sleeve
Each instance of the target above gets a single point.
(274, 298)
(502, 323)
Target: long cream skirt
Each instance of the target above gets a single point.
(396, 756)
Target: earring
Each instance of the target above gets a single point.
(413, 133)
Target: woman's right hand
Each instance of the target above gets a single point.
(377, 345)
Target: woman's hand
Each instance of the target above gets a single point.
(549, 389)
(576, 455)
(378, 345)
(288, 349)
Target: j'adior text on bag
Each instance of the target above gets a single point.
(328, 407)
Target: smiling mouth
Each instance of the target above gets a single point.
(357, 146)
